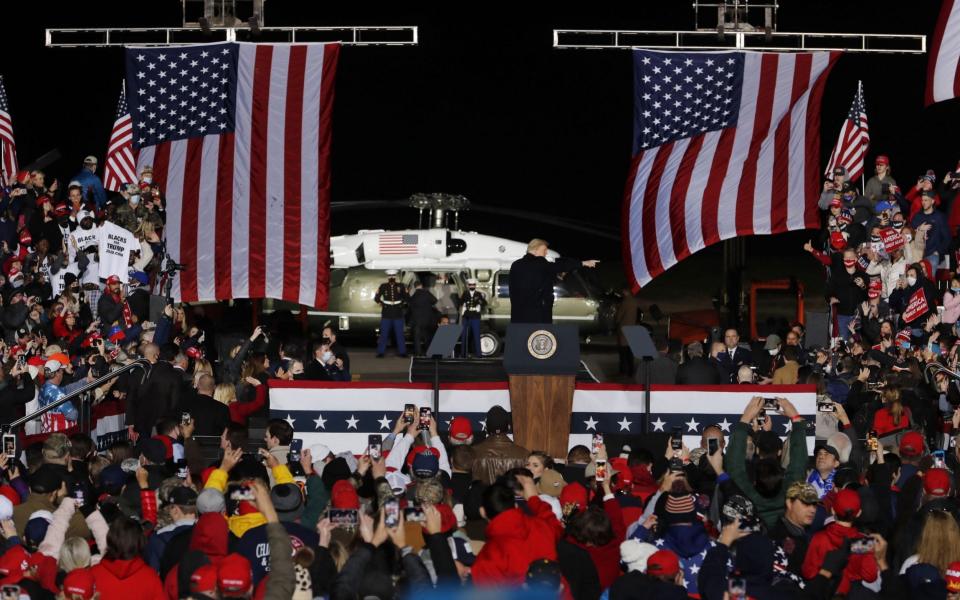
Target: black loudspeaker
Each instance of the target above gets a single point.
(818, 329)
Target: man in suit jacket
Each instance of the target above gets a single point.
(733, 357)
(423, 317)
(531, 283)
(158, 397)
(697, 370)
(663, 369)
(211, 416)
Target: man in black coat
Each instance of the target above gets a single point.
(531, 283)
(110, 305)
(423, 317)
(211, 416)
(158, 397)
(697, 370)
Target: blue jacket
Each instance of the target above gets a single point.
(50, 393)
(689, 542)
(91, 186)
(938, 238)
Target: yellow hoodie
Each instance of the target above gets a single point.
(240, 524)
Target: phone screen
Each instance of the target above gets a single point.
(712, 446)
(408, 411)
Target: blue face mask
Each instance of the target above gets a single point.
(955, 290)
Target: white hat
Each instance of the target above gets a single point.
(320, 452)
(46, 515)
(52, 365)
(90, 160)
(6, 509)
(75, 184)
(392, 271)
(84, 214)
(471, 281)
(634, 554)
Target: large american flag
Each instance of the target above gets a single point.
(943, 68)
(725, 144)
(121, 163)
(8, 147)
(239, 139)
(854, 138)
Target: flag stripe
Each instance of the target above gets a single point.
(260, 111)
(331, 52)
(764, 112)
(175, 169)
(190, 199)
(243, 145)
(292, 176)
(309, 174)
(275, 196)
(945, 55)
(207, 210)
(825, 62)
(751, 176)
(224, 219)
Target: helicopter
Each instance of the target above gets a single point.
(442, 251)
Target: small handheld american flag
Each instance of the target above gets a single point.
(8, 147)
(121, 163)
(854, 138)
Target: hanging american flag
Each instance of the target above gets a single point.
(854, 138)
(239, 139)
(8, 147)
(725, 144)
(943, 68)
(121, 163)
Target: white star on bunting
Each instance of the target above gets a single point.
(352, 422)
(591, 424)
(319, 422)
(658, 424)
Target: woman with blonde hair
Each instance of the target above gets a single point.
(201, 366)
(938, 543)
(226, 393)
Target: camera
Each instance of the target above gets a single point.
(675, 465)
(862, 545)
(771, 404)
(343, 517)
(374, 446)
(601, 470)
(424, 418)
(391, 513)
(676, 439)
(408, 411)
(825, 406)
(597, 443)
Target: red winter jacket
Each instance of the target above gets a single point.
(60, 330)
(123, 579)
(606, 558)
(883, 422)
(861, 567)
(514, 540)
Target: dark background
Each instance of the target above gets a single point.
(484, 106)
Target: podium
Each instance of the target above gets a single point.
(541, 361)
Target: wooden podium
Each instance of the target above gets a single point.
(542, 361)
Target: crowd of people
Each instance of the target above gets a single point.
(188, 501)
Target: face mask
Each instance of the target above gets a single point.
(135, 199)
(849, 262)
(472, 288)
(955, 290)
(773, 351)
(147, 179)
(827, 369)
(898, 225)
(327, 356)
(911, 281)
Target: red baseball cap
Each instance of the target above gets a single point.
(12, 564)
(936, 482)
(882, 160)
(79, 582)
(204, 581)
(911, 444)
(113, 279)
(234, 576)
(574, 493)
(343, 495)
(846, 505)
(461, 430)
(836, 202)
(952, 576)
(663, 562)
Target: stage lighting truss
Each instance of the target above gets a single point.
(177, 36)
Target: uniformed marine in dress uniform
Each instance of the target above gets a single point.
(392, 298)
(472, 306)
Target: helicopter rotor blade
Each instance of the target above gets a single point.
(601, 232)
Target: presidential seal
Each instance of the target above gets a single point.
(542, 344)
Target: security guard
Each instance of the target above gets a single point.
(472, 305)
(392, 298)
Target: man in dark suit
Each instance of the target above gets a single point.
(697, 370)
(733, 357)
(663, 369)
(211, 416)
(423, 317)
(159, 396)
(531, 283)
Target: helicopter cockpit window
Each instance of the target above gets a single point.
(503, 285)
(570, 286)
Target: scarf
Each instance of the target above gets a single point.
(823, 485)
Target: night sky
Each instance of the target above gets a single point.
(484, 107)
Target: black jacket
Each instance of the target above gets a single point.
(109, 312)
(210, 415)
(15, 393)
(640, 586)
(579, 571)
(422, 311)
(698, 371)
(531, 287)
(158, 397)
